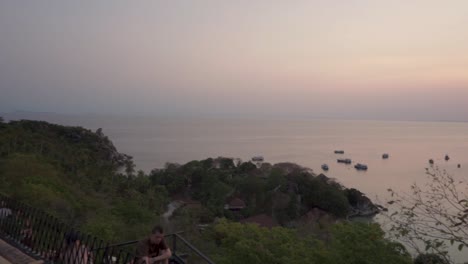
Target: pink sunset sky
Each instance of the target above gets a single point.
(400, 60)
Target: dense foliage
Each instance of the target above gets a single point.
(285, 191)
(348, 243)
(74, 173)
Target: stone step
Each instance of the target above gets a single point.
(12, 255)
(4, 261)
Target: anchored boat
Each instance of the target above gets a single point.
(360, 166)
(258, 159)
(345, 161)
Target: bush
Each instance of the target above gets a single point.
(429, 258)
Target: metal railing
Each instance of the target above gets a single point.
(44, 237)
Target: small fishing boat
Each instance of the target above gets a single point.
(325, 167)
(431, 161)
(360, 166)
(447, 157)
(345, 161)
(339, 151)
(459, 165)
(385, 156)
(257, 159)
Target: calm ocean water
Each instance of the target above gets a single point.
(154, 141)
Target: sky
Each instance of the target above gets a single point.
(354, 59)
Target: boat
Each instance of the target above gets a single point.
(339, 151)
(360, 166)
(447, 157)
(459, 165)
(325, 167)
(345, 161)
(385, 156)
(258, 159)
(431, 161)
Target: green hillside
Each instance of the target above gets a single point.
(79, 176)
(75, 174)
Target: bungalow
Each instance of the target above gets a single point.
(235, 204)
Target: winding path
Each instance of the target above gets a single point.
(171, 208)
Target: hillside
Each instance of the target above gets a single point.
(79, 176)
(284, 191)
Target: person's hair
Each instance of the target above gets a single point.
(71, 237)
(157, 229)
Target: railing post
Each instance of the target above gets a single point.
(39, 232)
(85, 243)
(96, 251)
(127, 258)
(109, 258)
(104, 255)
(18, 222)
(54, 246)
(45, 232)
(92, 242)
(174, 243)
(118, 257)
(28, 230)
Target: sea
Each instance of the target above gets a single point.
(154, 141)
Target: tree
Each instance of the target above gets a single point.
(354, 243)
(238, 243)
(129, 167)
(362, 243)
(324, 196)
(435, 216)
(247, 167)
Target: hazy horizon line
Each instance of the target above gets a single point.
(228, 116)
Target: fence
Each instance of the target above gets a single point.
(44, 237)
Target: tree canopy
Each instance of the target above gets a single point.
(349, 243)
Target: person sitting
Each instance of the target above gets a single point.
(153, 249)
(73, 251)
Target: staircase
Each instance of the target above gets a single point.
(28, 236)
